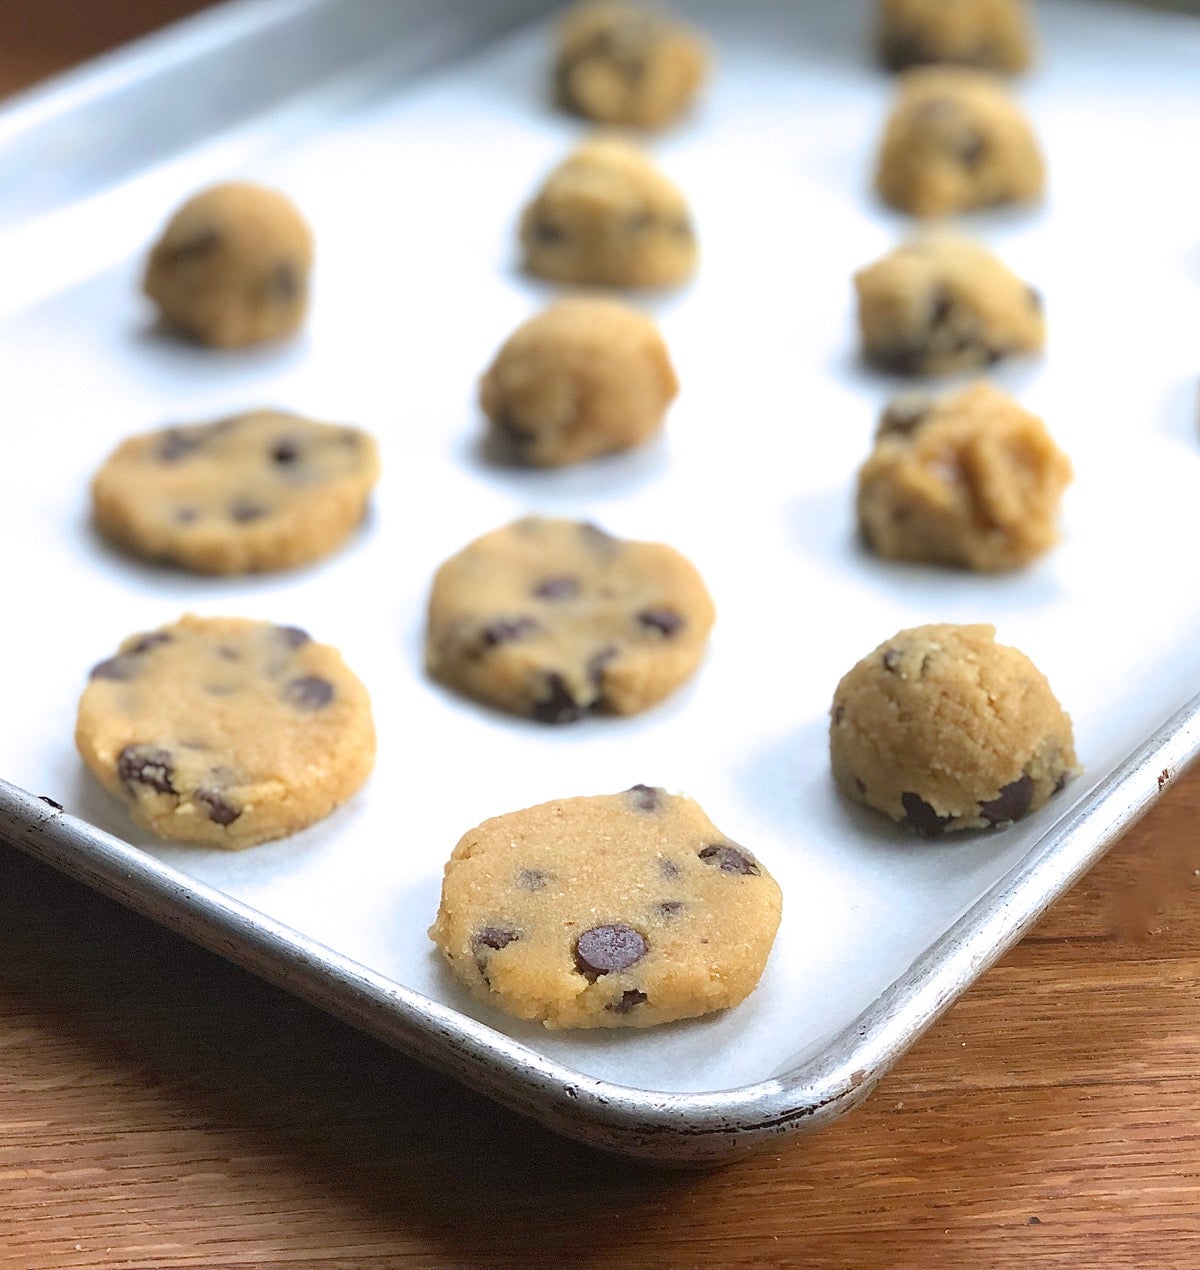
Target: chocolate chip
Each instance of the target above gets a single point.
(838, 714)
(146, 765)
(144, 643)
(532, 879)
(185, 515)
(638, 223)
(200, 244)
(626, 1001)
(669, 869)
(309, 692)
(940, 307)
(903, 416)
(283, 283)
(891, 659)
(218, 810)
(901, 50)
(557, 705)
(560, 587)
(120, 668)
(644, 797)
(175, 444)
(900, 359)
(597, 662)
(919, 815)
(293, 636)
(664, 621)
(506, 630)
(511, 432)
(860, 785)
(603, 949)
(671, 908)
(546, 234)
(1011, 803)
(971, 148)
(285, 451)
(494, 937)
(729, 859)
(246, 510)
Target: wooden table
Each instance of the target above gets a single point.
(159, 1107)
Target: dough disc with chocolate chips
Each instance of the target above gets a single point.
(554, 619)
(226, 731)
(264, 490)
(942, 728)
(622, 910)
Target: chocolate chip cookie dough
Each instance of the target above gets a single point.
(263, 490)
(606, 216)
(627, 65)
(971, 479)
(941, 728)
(586, 377)
(226, 731)
(993, 35)
(939, 305)
(623, 910)
(231, 267)
(555, 619)
(957, 140)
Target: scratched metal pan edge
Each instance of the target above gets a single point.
(665, 1127)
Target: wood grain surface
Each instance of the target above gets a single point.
(160, 1108)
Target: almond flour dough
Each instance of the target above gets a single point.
(941, 728)
(586, 377)
(993, 35)
(971, 479)
(623, 910)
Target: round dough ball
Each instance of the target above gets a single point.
(957, 140)
(584, 378)
(972, 480)
(941, 728)
(993, 35)
(231, 267)
(606, 216)
(623, 910)
(941, 305)
(625, 65)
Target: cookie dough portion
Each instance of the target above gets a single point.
(608, 217)
(623, 910)
(584, 378)
(940, 305)
(941, 728)
(555, 619)
(264, 490)
(993, 35)
(626, 65)
(231, 267)
(957, 140)
(972, 480)
(226, 731)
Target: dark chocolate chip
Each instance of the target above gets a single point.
(860, 785)
(603, 949)
(217, 809)
(669, 869)
(1011, 803)
(839, 713)
(283, 283)
(146, 765)
(626, 1001)
(532, 879)
(900, 359)
(511, 432)
(729, 859)
(546, 234)
(670, 908)
(51, 802)
(505, 630)
(638, 223)
(902, 417)
(993, 355)
(664, 621)
(891, 659)
(919, 815)
(494, 937)
(246, 510)
(226, 652)
(597, 662)
(557, 705)
(560, 587)
(185, 515)
(940, 307)
(309, 692)
(970, 148)
(644, 797)
(285, 451)
(121, 668)
(175, 444)
(293, 636)
(145, 643)
(900, 50)
(200, 244)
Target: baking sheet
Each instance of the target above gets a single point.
(413, 200)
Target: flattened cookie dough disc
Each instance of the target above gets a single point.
(989, 34)
(606, 216)
(264, 490)
(939, 305)
(226, 731)
(627, 65)
(231, 267)
(941, 728)
(586, 377)
(623, 910)
(971, 479)
(957, 140)
(555, 619)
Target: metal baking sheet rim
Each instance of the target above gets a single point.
(679, 1128)
(669, 1128)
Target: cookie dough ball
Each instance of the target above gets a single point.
(623, 910)
(584, 378)
(626, 65)
(993, 35)
(555, 619)
(231, 267)
(941, 728)
(264, 490)
(957, 140)
(972, 480)
(226, 731)
(608, 217)
(942, 305)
